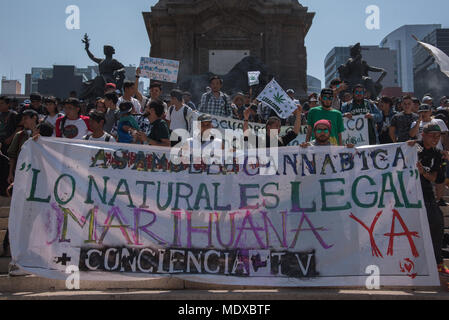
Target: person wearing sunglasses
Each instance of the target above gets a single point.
(322, 132)
(326, 112)
(362, 106)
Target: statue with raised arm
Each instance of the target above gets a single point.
(111, 71)
(356, 71)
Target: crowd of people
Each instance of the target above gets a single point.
(130, 117)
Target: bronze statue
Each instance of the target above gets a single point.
(355, 71)
(111, 71)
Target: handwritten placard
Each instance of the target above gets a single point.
(159, 69)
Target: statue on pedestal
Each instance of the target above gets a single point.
(355, 71)
(111, 71)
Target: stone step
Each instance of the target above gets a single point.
(4, 212)
(4, 263)
(36, 287)
(178, 296)
(33, 283)
(41, 288)
(5, 202)
(2, 238)
(4, 223)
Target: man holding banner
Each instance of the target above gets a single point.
(322, 133)
(429, 167)
(361, 106)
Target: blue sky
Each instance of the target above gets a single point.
(33, 32)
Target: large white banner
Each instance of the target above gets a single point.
(328, 217)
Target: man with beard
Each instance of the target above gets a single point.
(322, 133)
(362, 106)
(326, 112)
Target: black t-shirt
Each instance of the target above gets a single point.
(383, 128)
(159, 130)
(403, 122)
(431, 160)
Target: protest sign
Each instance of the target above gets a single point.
(121, 212)
(253, 78)
(276, 98)
(356, 131)
(159, 69)
(222, 123)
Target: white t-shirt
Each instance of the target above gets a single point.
(439, 122)
(176, 118)
(102, 138)
(75, 129)
(52, 120)
(134, 101)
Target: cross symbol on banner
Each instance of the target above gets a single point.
(63, 260)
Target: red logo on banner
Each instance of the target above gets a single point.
(407, 266)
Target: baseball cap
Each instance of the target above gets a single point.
(427, 98)
(30, 113)
(424, 107)
(327, 91)
(111, 85)
(290, 91)
(205, 118)
(430, 127)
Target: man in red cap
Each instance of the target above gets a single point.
(322, 132)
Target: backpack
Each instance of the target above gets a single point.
(61, 125)
(46, 117)
(186, 110)
(225, 99)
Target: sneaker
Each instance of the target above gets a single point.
(442, 203)
(15, 271)
(443, 270)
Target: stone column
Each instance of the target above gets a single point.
(273, 47)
